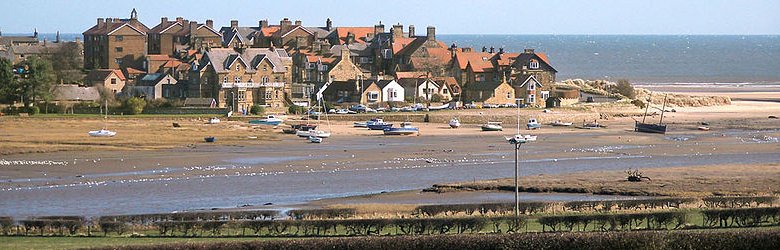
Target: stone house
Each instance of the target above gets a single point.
(73, 93)
(156, 86)
(112, 80)
(371, 93)
(451, 87)
(534, 63)
(115, 43)
(531, 92)
(242, 77)
(168, 37)
(343, 69)
(475, 67)
(419, 88)
(341, 91)
(499, 92)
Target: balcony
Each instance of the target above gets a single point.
(230, 85)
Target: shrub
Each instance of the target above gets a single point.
(738, 201)
(437, 97)
(482, 209)
(5, 224)
(322, 213)
(257, 109)
(612, 222)
(117, 227)
(639, 103)
(624, 88)
(135, 105)
(295, 109)
(742, 217)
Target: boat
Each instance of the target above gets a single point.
(268, 120)
(533, 124)
(319, 133)
(405, 129)
(492, 126)
(659, 128)
(703, 128)
(591, 125)
(104, 132)
(298, 127)
(360, 124)
(518, 138)
(315, 139)
(210, 139)
(559, 123)
(213, 120)
(454, 123)
(379, 125)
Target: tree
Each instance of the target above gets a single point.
(36, 86)
(624, 88)
(135, 105)
(67, 63)
(9, 87)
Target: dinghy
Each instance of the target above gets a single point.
(454, 123)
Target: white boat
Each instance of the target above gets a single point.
(518, 138)
(405, 129)
(102, 133)
(268, 120)
(360, 124)
(454, 123)
(214, 120)
(315, 139)
(492, 126)
(303, 133)
(559, 123)
(319, 133)
(703, 128)
(533, 124)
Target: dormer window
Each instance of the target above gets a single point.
(265, 67)
(534, 64)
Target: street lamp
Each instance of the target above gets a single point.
(518, 140)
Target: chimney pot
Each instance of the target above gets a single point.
(179, 19)
(484, 49)
(298, 22)
(328, 24)
(164, 20)
(528, 51)
(100, 22)
(263, 23)
(411, 31)
(492, 50)
(233, 23)
(210, 23)
(431, 33)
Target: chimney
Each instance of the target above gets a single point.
(467, 49)
(298, 23)
(164, 20)
(501, 50)
(263, 23)
(284, 25)
(379, 28)
(57, 38)
(431, 33)
(528, 51)
(180, 20)
(398, 31)
(350, 38)
(328, 24)
(193, 26)
(484, 49)
(100, 22)
(492, 50)
(233, 24)
(109, 21)
(210, 23)
(344, 52)
(411, 31)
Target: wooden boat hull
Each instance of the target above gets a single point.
(491, 128)
(650, 128)
(401, 131)
(379, 126)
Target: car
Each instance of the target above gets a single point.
(370, 110)
(471, 106)
(332, 111)
(358, 108)
(342, 111)
(489, 105)
(509, 105)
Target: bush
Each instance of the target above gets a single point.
(437, 97)
(323, 213)
(612, 222)
(738, 201)
(5, 224)
(482, 209)
(639, 103)
(295, 109)
(135, 105)
(257, 109)
(624, 88)
(742, 217)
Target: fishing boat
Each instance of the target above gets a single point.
(360, 124)
(104, 132)
(210, 139)
(492, 126)
(559, 123)
(315, 139)
(405, 129)
(659, 128)
(319, 133)
(518, 138)
(268, 120)
(590, 125)
(213, 120)
(533, 124)
(703, 128)
(454, 123)
(379, 125)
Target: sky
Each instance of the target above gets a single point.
(691, 17)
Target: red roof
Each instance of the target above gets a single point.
(400, 43)
(410, 74)
(269, 31)
(360, 32)
(158, 57)
(102, 74)
(543, 57)
(132, 71)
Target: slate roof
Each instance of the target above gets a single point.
(9, 40)
(383, 83)
(220, 58)
(536, 55)
(320, 32)
(244, 34)
(102, 74)
(355, 49)
(106, 28)
(483, 86)
(72, 92)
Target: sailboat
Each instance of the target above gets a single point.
(659, 128)
(316, 135)
(519, 138)
(103, 132)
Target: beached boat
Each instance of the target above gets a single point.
(268, 120)
(492, 126)
(319, 133)
(703, 128)
(379, 125)
(299, 127)
(315, 139)
(533, 124)
(213, 120)
(210, 139)
(104, 132)
(454, 123)
(360, 124)
(405, 129)
(659, 128)
(518, 138)
(559, 123)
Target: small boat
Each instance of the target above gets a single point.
(268, 120)
(319, 133)
(360, 124)
(405, 129)
(518, 138)
(592, 125)
(559, 123)
(298, 127)
(210, 139)
(102, 133)
(492, 126)
(703, 128)
(533, 124)
(659, 128)
(454, 123)
(315, 139)
(213, 120)
(378, 125)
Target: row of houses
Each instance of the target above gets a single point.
(282, 64)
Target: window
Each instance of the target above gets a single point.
(393, 94)
(119, 49)
(534, 64)
(531, 98)
(118, 61)
(241, 95)
(120, 38)
(265, 67)
(237, 67)
(480, 77)
(265, 79)
(276, 94)
(444, 91)
(236, 79)
(508, 95)
(113, 80)
(545, 95)
(276, 78)
(268, 95)
(224, 80)
(169, 81)
(373, 96)
(531, 86)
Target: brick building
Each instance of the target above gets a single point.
(115, 43)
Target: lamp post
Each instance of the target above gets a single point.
(518, 140)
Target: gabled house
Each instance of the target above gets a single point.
(493, 92)
(344, 69)
(115, 43)
(370, 93)
(417, 53)
(534, 63)
(451, 89)
(342, 91)
(156, 86)
(531, 92)
(391, 91)
(112, 80)
(470, 67)
(419, 88)
(194, 35)
(73, 93)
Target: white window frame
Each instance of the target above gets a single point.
(533, 64)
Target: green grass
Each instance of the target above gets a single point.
(23, 242)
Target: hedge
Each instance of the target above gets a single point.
(736, 239)
(482, 209)
(738, 201)
(322, 213)
(614, 222)
(742, 217)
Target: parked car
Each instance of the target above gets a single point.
(489, 105)
(358, 108)
(471, 106)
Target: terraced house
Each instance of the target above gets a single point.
(239, 78)
(115, 43)
(168, 37)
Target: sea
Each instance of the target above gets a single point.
(642, 59)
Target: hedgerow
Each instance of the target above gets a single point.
(482, 209)
(613, 222)
(738, 201)
(742, 217)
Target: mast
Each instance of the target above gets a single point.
(649, 99)
(662, 110)
(518, 116)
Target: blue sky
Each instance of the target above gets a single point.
(745, 17)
